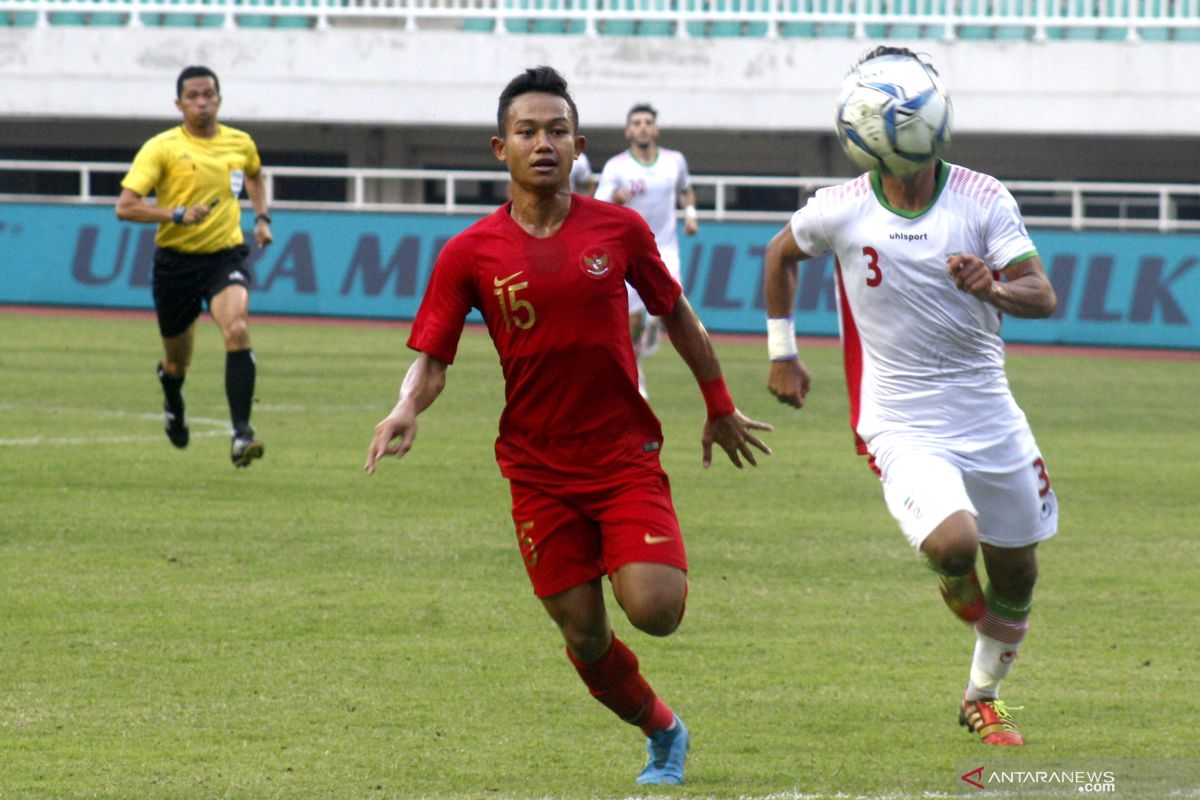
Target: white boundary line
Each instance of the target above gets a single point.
(218, 427)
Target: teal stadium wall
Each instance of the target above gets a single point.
(1115, 289)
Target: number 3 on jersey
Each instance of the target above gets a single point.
(514, 311)
(874, 273)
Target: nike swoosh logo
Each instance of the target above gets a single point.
(658, 539)
(502, 281)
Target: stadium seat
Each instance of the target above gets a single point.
(67, 18)
(616, 27)
(293, 21)
(107, 19)
(655, 27)
(834, 30)
(542, 24)
(479, 24)
(646, 27)
(793, 29)
(18, 19)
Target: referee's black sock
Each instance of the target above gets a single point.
(172, 386)
(239, 389)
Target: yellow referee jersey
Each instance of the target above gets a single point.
(183, 170)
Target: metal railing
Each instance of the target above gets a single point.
(947, 19)
(1076, 205)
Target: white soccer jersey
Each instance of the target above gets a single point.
(581, 173)
(923, 359)
(655, 189)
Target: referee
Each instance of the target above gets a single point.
(196, 171)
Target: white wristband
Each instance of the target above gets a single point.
(781, 338)
(689, 212)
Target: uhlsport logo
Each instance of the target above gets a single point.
(595, 263)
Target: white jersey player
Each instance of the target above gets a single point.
(651, 189)
(918, 266)
(650, 180)
(583, 180)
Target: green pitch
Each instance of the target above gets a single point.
(171, 627)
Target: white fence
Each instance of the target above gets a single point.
(946, 19)
(1057, 204)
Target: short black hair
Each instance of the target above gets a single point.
(535, 79)
(888, 50)
(641, 108)
(195, 72)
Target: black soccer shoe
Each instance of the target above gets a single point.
(174, 421)
(244, 450)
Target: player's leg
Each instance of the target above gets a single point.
(926, 495)
(230, 307)
(612, 674)
(644, 551)
(1017, 510)
(562, 554)
(653, 596)
(171, 371)
(176, 305)
(950, 551)
(1012, 573)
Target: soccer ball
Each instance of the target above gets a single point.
(893, 114)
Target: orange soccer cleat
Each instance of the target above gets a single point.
(964, 596)
(991, 720)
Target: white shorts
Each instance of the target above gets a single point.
(1005, 486)
(670, 257)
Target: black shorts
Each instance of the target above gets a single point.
(182, 281)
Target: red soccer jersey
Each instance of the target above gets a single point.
(556, 309)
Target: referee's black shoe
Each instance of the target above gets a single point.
(173, 420)
(245, 449)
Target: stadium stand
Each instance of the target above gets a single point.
(998, 20)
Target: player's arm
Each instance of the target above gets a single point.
(789, 379)
(1026, 291)
(423, 382)
(687, 199)
(133, 207)
(256, 189)
(609, 188)
(725, 425)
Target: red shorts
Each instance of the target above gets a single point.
(570, 535)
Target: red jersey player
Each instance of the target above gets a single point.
(578, 444)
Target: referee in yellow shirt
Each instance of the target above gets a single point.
(196, 171)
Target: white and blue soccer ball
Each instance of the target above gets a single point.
(893, 114)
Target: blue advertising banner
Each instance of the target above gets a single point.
(1114, 289)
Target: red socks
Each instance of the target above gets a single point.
(614, 680)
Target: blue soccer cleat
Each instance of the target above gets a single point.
(667, 750)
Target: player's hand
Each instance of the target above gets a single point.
(733, 434)
(196, 214)
(691, 225)
(971, 275)
(622, 196)
(393, 426)
(789, 381)
(262, 233)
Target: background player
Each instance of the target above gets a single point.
(583, 180)
(650, 180)
(197, 170)
(579, 446)
(918, 266)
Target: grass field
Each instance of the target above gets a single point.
(173, 628)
